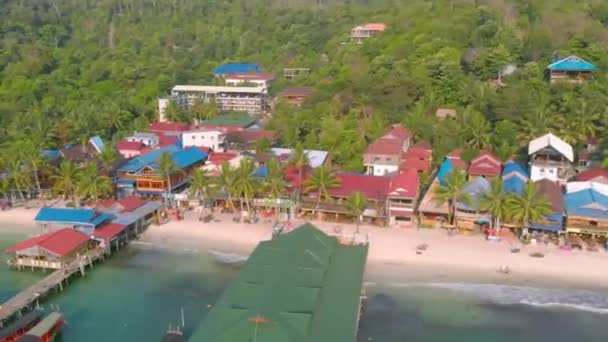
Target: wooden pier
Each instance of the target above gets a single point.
(55, 280)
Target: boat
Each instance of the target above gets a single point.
(19, 327)
(174, 335)
(46, 330)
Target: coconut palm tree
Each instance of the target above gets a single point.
(275, 183)
(494, 202)
(20, 180)
(65, 180)
(200, 186)
(35, 161)
(108, 157)
(527, 207)
(166, 168)
(299, 160)
(247, 184)
(91, 185)
(357, 202)
(452, 191)
(322, 180)
(227, 181)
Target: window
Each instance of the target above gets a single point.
(388, 159)
(193, 137)
(551, 171)
(376, 158)
(212, 137)
(542, 170)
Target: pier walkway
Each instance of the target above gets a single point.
(30, 295)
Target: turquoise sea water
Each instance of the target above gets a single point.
(139, 291)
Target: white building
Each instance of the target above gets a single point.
(550, 158)
(148, 139)
(212, 138)
(253, 100)
(259, 80)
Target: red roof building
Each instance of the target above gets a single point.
(130, 203)
(296, 96)
(455, 154)
(373, 187)
(129, 149)
(404, 185)
(217, 158)
(109, 231)
(423, 145)
(402, 197)
(169, 127)
(398, 133)
(486, 164)
(165, 140)
(384, 147)
(599, 175)
(59, 243)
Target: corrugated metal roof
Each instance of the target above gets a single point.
(514, 183)
(572, 63)
(315, 157)
(444, 171)
(237, 68)
(108, 231)
(587, 203)
(146, 159)
(550, 140)
(98, 143)
(373, 187)
(511, 167)
(60, 242)
(66, 215)
(127, 218)
(476, 189)
(148, 208)
(188, 157)
(578, 186)
(300, 286)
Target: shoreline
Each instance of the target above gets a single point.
(392, 256)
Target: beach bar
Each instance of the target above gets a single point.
(300, 286)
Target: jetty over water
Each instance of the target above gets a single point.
(300, 286)
(45, 286)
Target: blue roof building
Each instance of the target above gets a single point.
(514, 177)
(84, 220)
(587, 212)
(476, 189)
(571, 69)
(237, 68)
(444, 171)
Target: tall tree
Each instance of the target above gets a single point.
(227, 181)
(357, 202)
(495, 202)
(32, 156)
(452, 192)
(108, 157)
(528, 207)
(65, 181)
(91, 185)
(166, 169)
(200, 187)
(300, 161)
(247, 183)
(322, 180)
(275, 183)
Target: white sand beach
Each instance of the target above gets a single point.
(392, 253)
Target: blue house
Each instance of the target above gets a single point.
(514, 177)
(587, 212)
(84, 220)
(237, 68)
(571, 69)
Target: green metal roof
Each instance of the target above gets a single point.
(233, 119)
(302, 286)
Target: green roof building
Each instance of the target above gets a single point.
(302, 286)
(241, 120)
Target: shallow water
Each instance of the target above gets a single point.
(136, 294)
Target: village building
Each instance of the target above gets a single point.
(236, 68)
(313, 289)
(597, 175)
(229, 122)
(589, 155)
(402, 198)
(211, 138)
(486, 165)
(360, 33)
(456, 160)
(263, 79)
(432, 213)
(81, 219)
(571, 69)
(170, 128)
(246, 139)
(130, 149)
(295, 96)
(554, 222)
(384, 156)
(587, 212)
(52, 250)
(293, 73)
(470, 214)
(252, 100)
(216, 159)
(148, 139)
(550, 158)
(514, 178)
(316, 158)
(80, 154)
(141, 175)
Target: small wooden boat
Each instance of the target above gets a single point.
(46, 330)
(174, 335)
(19, 327)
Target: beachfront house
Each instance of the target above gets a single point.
(486, 165)
(587, 210)
(169, 128)
(596, 175)
(84, 220)
(401, 198)
(571, 69)
(554, 222)
(589, 155)
(211, 138)
(550, 158)
(432, 213)
(303, 285)
(468, 214)
(52, 250)
(130, 149)
(418, 158)
(514, 178)
(360, 33)
(141, 175)
(384, 156)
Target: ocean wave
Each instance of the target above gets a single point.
(574, 299)
(228, 258)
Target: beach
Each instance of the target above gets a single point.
(392, 252)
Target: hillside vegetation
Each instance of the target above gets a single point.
(73, 68)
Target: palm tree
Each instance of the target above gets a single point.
(19, 179)
(173, 112)
(505, 151)
(31, 154)
(166, 168)
(246, 183)
(108, 157)
(452, 191)
(275, 183)
(528, 207)
(227, 181)
(494, 202)
(200, 186)
(356, 205)
(91, 185)
(299, 160)
(321, 180)
(65, 180)
(475, 129)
